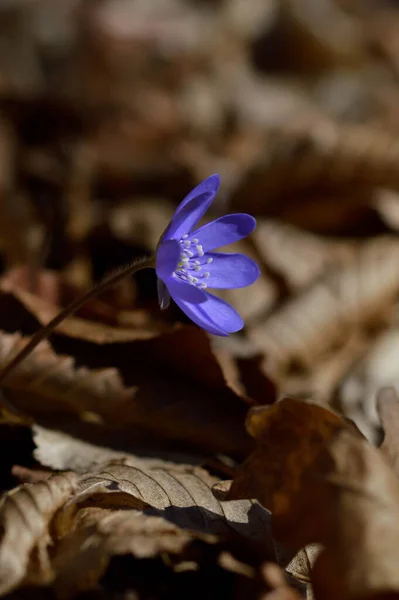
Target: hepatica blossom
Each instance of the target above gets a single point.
(187, 266)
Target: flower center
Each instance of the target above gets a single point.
(193, 264)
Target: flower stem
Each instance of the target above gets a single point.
(45, 332)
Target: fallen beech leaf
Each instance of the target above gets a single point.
(64, 452)
(182, 494)
(132, 509)
(325, 484)
(132, 350)
(138, 353)
(289, 435)
(83, 556)
(360, 525)
(46, 384)
(25, 514)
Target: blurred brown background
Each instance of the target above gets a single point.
(111, 110)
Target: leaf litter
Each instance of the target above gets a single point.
(140, 456)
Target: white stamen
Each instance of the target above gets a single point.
(209, 260)
(187, 244)
(195, 241)
(197, 268)
(185, 236)
(202, 286)
(197, 262)
(189, 253)
(206, 274)
(190, 278)
(183, 277)
(200, 250)
(194, 280)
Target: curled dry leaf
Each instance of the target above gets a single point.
(324, 483)
(25, 514)
(83, 556)
(360, 495)
(127, 509)
(288, 434)
(182, 494)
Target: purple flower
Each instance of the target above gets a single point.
(186, 264)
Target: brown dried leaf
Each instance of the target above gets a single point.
(25, 514)
(46, 384)
(350, 297)
(360, 495)
(135, 509)
(63, 452)
(182, 494)
(321, 156)
(136, 352)
(326, 484)
(289, 435)
(83, 556)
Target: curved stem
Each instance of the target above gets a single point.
(42, 334)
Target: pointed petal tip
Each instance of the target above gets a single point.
(251, 222)
(215, 178)
(210, 184)
(193, 207)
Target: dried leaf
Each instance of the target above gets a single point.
(62, 452)
(315, 153)
(325, 484)
(132, 509)
(289, 435)
(25, 514)
(83, 556)
(361, 499)
(182, 494)
(350, 297)
(46, 384)
(136, 352)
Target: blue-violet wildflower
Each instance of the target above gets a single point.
(187, 266)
